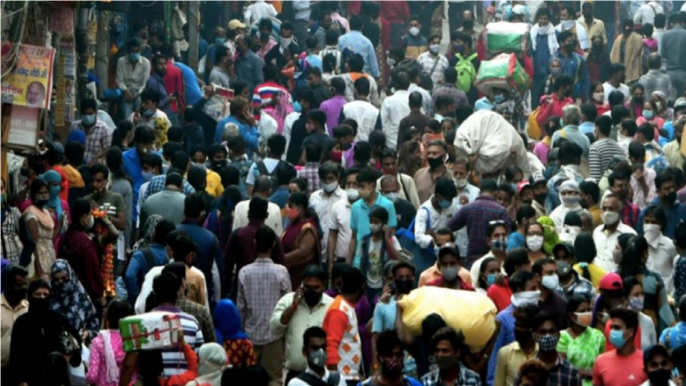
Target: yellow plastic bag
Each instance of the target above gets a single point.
(466, 311)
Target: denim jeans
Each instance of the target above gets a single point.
(129, 107)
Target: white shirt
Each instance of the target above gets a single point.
(365, 114)
(608, 88)
(605, 244)
(426, 97)
(393, 110)
(646, 13)
(470, 192)
(257, 11)
(146, 288)
(240, 217)
(428, 62)
(476, 267)
(640, 199)
(139, 204)
(322, 204)
(648, 333)
(340, 221)
(581, 34)
(437, 220)
(302, 11)
(298, 382)
(269, 164)
(662, 258)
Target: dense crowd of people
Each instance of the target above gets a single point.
(289, 223)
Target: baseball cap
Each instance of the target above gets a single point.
(521, 185)
(611, 282)
(653, 351)
(233, 24)
(537, 177)
(564, 245)
(449, 248)
(679, 103)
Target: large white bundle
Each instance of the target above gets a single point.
(493, 140)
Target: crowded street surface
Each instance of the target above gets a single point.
(343, 193)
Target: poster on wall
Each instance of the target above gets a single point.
(23, 129)
(65, 84)
(30, 82)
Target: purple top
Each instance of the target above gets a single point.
(541, 151)
(332, 107)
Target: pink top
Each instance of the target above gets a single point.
(541, 150)
(658, 121)
(546, 110)
(100, 371)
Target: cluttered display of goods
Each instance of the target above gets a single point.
(150, 331)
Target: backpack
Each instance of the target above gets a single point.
(334, 379)
(466, 73)
(262, 171)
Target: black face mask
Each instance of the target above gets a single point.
(522, 336)
(38, 306)
(15, 296)
(638, 100)
(218, 165)
(540, 198)
(571, 47)
(468, 24)
(312, 297)
(435, 162)
(404, 286)
(659, 377)
(25, 172)
(671, 197)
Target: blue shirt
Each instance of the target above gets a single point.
(541, 56)
(280, 197)
(138, 267)
(384, 316)
(358, 43)
(574, 66)
(359, 219)
(675, 215)
(587, 127)
(202, 48)
(191, 89)
(505, 337)
(675, 335)
(157, 83)
(249, 133)
(315, 61)
(208, 252)
(134, 169)
(516, 240)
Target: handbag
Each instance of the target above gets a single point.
(422, 258)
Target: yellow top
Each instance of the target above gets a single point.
(510, 359)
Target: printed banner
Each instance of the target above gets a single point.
(30, 82)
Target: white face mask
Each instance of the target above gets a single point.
(568, 24)
(374, 228)
(610, 218)
(434, 48)
(599, 97)
(414, 31)
(526, 297)
(392, 196)
(329, 188)
(460, 183)
(652, 233)
(534, 243)
(550, 282)
(353, 194)
(285, 42)
(91, 222)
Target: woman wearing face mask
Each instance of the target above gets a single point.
(661, 249)
(649, 115)
(39, 333)
(633, 264)
(534, 242)
(489, 273)
(107, 353)
(40, 231)
(635, 300)
(58, 208)
(581, 344)
(239, 351)
(570, 199)
(301, 239)
(637, 100)
(82, 249)
(553, 102)
(598, 98)
(69, 298)
(661, 109)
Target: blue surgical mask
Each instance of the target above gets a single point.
(648, 114)
(88, 119)
(556, 71)
(499, 98)
(134, 56)
(148, 112)
(491, 278)
(219, 41)
(617, 339)
(444, 204)
(297, 108)
(147, 176)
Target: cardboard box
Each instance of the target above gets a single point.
(150, 331)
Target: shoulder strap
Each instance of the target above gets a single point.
(149, 258)
(334, 378)
(428, 218)
(262, 168)
(407, 196)
(312, 380)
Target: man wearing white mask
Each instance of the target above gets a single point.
(567, 23)
(570, 199)
(435, 214)
(605, 236)
(414, 43)
(466, 193)
(549, 285)
(433, 64)
(323, 200)
(661, 249)
(339, 221)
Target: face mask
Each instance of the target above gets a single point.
(134, 56)
(285, 42)
(491, 279)
(652, 232)
(460, 183)
(390, 62)
(219, 41)
(15, 296)
(458, 48)
(526, 297)
(435, 162)
(90, 223)
(297, 107)
(556, 71)
(449, 274)
(499, 244)
(218, 165)
(571, 47)
(659, 106)
(571, 201)
(468, 24)
(583, 319)
(392, 196)
(648, 114)
(329, 188)
(610, 218)
(636, 303)
(547, 343)
(312, 297)
(638, 100)
(88, 119)
(671, 197)
(617, 338)
(568, 24)
(293, 213)
(434, 48)
(39, 306)
(660, 377)
(522, 337)
(24, 172)
(393, 369)
(540, 198)
(198, 165)
(444, 204)
(336, 156)
(564, 269)
(55, 191)
(353, 194)
(264, 36)
(499, 98)
(534, 243)
(147, 176)
(550, 282)
(404, 286)
(148, 113)
(599, 97)
(446, 362)
(374, 228)
(316, 360)
(414, 31)
(40, 202)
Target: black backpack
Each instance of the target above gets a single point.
(334, 379)
(262, 170)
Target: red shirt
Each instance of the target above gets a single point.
(64, 190)
(173, 82)
(439, 283)
(501, 295)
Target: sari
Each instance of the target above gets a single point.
(291, 241)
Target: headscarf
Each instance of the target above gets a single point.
(550, 237)
(70, 299)
(666, 112)
(211, 364)
(149, 232)
(55, 202)
(559, 214)
(549, 30)
(227, 321)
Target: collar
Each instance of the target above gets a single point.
(22, 304)
(324, 378)
(487, 198)
(264, 260)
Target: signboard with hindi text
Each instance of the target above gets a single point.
(30, 81)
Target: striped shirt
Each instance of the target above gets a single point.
(174, 359)
(264, 93)
(600, 156)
